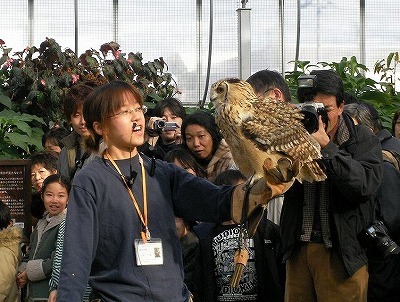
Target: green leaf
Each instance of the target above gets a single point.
(17, 139)
(5, 100)
(389, 59)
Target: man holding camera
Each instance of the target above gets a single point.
(321, 221)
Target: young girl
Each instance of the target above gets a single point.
(36, 271)
(120, 230)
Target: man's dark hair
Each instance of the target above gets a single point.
(265, 80)
(329, 82)
(5, 215)
(75, 98)
(172, 104)
(205, 120)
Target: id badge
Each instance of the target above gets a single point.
(149, 252)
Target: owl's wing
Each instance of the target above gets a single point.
(275, 126)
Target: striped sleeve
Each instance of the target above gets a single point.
(55, 274)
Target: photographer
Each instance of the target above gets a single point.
(321, 221)
(164, 128)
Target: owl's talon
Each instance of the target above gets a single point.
(284, 171)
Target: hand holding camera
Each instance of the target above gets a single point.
(157, 125)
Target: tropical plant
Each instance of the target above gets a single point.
(36, 79)
(20, 134)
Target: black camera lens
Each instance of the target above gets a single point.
(381, 243)
(159, 125)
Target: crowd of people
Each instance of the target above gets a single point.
(126, 208)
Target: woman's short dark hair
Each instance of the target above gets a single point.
(48, 159)
(103, 102)
(172, 104)
(207, 121)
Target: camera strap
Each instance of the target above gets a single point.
(145, 233)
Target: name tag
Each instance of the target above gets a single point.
(149, 252)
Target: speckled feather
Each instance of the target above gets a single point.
(259, 128)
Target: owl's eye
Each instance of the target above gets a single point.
(220, 89)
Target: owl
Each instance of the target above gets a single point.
(265, 131)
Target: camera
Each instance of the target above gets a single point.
(305, 93)
(161, 125)
(381, 243)
(311, 112)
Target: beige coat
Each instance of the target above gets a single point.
(222, 160)
(10, 257)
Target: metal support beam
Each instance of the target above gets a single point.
(76, 34)
(244, 33)
(362, 32)
(115, 20)
(31, 21)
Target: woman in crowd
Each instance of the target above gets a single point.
(43, 164)
(202, 137)
(129, 249)
(396, 124)
(161, 141)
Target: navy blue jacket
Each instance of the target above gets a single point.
(102, 224)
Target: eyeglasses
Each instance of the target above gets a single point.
(129, 112)
(265, 92)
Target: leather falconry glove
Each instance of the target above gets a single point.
(249, 200)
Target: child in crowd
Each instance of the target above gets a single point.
(10, 251)
(43, 164)
(37, 269)
(214, 267)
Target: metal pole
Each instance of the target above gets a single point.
(210, 44)
(198, 44)
(115, 20)
(282, 28)
(31, 21)
(362, 32)
(76, 26)
(244, 33)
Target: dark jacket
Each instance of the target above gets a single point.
(354, 171)
(269, 270)
(388, 141)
